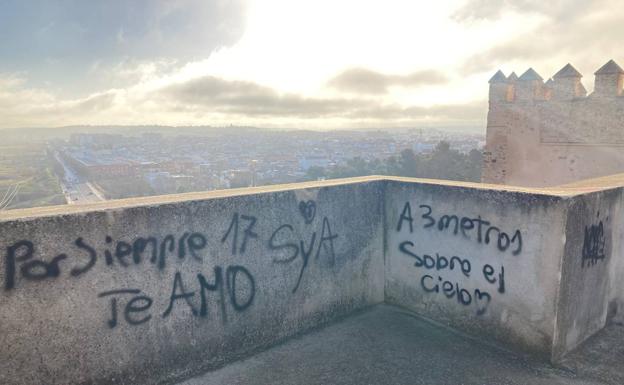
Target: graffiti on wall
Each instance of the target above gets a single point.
(318, 243)
(231, 287)
(594, 243)
(436, 267)
(137, 304)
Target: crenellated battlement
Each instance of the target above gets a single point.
(543, 133)
(566, 84)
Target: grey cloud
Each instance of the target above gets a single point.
(199, 98)
(493, 9)
(76, 34)
(362, 80)
(567, 39)
(250, 99)
(516, 49)
(27, 107)
(474, 111)
(92, 103)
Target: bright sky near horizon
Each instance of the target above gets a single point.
(285, 63)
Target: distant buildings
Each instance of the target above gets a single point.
(159, 164)
(100, 165)
(307, 161)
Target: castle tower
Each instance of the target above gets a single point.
(498, 87)
(548, 132)
(530, 86)
(609, 80)
(567, 84)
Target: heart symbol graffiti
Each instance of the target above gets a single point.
(308, 210)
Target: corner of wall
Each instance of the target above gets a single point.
(584, 288)
(384, 224)
(555, 356)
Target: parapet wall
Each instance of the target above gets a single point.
(537, 270)
(477, 260)
(152, 290)
(141, 293)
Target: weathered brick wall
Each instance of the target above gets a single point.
(550, 134)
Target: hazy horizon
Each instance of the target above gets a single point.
(104, 128)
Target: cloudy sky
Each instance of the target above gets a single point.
(285, 63)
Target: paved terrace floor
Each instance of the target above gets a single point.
(388, 345)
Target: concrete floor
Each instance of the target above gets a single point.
(388, 345)
(600, 357)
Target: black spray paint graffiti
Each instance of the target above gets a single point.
(308, 211)
(436, 267)
(282, 239)
(135, 310)
(130, 307)
(20, 259)
(232, 287)
(485, 232)
(594, 244)
(454, 290)
(248, 232)
(481, 299)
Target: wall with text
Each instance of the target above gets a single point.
(486, 262)
(150, 291)
(167, 290)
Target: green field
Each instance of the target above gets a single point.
(32, 169)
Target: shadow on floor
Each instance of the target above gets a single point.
(600, 357)
(388, 345)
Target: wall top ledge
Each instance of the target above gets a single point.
(563, 191)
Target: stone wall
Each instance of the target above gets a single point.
(556, 134)
(486, 262)
(154, 290)
(591, 255)
(141, 293)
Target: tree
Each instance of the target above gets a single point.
(442, 163)
(408, 163)
(315, 173)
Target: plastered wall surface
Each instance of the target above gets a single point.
(135, 294)
(591, 267)
(149, 291)
(483, 261)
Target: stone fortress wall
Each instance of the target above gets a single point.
(548, 133)
(152, 290)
